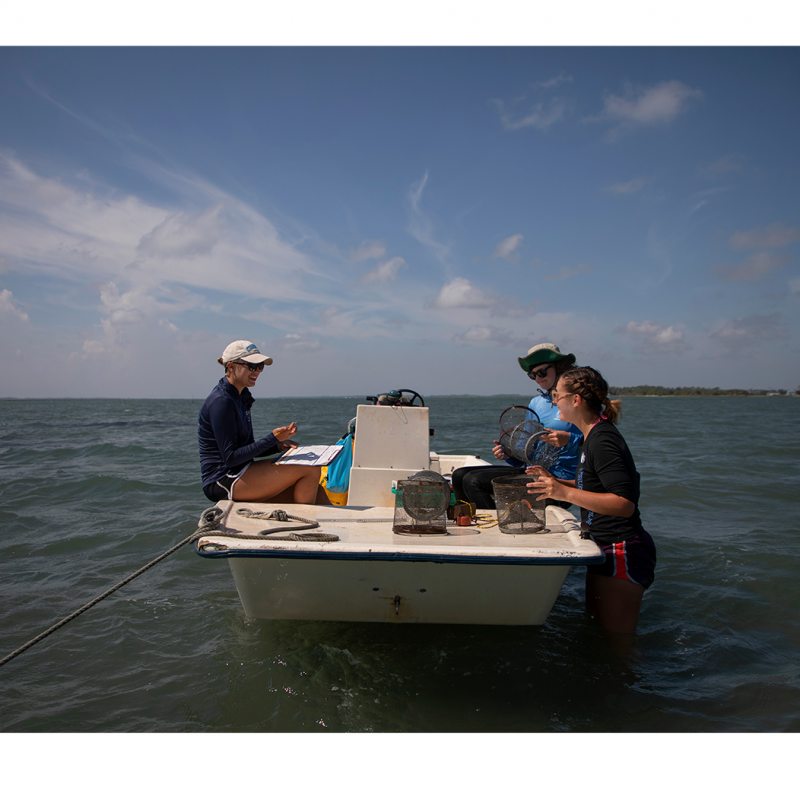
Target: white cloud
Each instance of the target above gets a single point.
(756, 266)
(724, 165)
(567, 273)
(651, 336)
(149, 263)
(368, 251)
(655, 105)
(183, 235)
(50, 227)
(460, 293)
(770, 237)
(95, 234)
(479, 333)
(385, 271)
(508, 246)
(9, 306)
(628, 187)
(126, 312)
(296, 341)
(746, 332)
(487, 335)
(701, 199)
(552, 83)
(539, 115)
(420, 225)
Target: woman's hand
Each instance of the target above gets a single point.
(498, 452)
(555, 438)
(536, 471)
(544, 485)
(285, 432)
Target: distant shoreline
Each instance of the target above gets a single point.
(696, 391)
(614, 391)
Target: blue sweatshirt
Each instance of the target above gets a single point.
(225, 433)
(566, 463)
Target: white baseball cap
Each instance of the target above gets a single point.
(242, 350)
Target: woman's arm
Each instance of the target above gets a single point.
(544, 485)
(233, 451)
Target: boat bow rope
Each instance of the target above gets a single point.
(211, 521)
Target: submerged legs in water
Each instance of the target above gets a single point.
(613, 602)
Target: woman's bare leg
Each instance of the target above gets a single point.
(613, 602)
(322, 498)
(265, 481)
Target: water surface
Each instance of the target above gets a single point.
(95, 489)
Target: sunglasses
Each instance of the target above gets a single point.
(539, 373)
(251, 367)
(556, 396)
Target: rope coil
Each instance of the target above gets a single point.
(293, 530)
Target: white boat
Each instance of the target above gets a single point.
(346, 563)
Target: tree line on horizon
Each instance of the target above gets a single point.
(647, 389)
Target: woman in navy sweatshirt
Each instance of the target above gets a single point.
(228, 448)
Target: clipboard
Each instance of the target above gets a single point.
(311, 455)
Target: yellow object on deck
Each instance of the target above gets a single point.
(337, 498)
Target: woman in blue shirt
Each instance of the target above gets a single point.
(543, 363)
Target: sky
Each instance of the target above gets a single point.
(381, 217)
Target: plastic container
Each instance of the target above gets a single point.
(517, 511)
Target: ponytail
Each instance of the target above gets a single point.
(612, 410)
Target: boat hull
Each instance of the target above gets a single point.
(397, 591)
(352, 567)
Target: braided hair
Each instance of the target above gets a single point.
(592, 387)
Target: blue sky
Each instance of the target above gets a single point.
(396, 217)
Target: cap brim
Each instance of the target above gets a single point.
(265, 360)
(545, 357)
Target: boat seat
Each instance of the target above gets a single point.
(391, 443)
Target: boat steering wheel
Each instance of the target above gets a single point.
(398, 397)
(414, 397)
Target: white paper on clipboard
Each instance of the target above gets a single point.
(311, 455)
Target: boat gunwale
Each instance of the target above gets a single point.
(518, 549)
(434, 558)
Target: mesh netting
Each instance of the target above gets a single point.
(421, 503)
(521, 434)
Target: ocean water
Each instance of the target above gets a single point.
(93, 489)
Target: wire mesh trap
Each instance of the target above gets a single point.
(518, 511)
(521, 433)
(420, 504)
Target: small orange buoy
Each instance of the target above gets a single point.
(464, 522)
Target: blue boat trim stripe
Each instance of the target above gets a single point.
(575, 561)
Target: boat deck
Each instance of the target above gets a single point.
(366, 534)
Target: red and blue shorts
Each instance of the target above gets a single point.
(633, 560)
